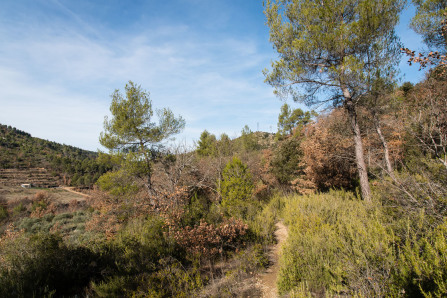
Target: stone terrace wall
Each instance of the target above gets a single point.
(38, 177)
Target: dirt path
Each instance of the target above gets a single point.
(70, 189)
(268, 279)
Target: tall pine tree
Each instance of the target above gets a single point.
(329, 52)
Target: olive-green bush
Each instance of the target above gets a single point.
(236, 188)
(42, 265)
(337, 245)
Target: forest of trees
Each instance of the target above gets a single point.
(361, 185)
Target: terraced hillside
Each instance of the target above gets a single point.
(37, 177)
(18, 149)
(26, 159)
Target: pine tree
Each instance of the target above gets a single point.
(332, 47)
(131, 133)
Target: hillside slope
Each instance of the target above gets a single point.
(57, 163)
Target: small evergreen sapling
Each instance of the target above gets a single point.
(236, 188)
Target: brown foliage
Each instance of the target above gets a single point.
(113, 211)
(208, 240)
(425, 114)
(432, 58)
(265, 182)
(393, 131)
(204, 239)
(42, 205)
(329, 152)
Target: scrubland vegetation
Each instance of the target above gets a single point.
(167, 221)
(204, 226)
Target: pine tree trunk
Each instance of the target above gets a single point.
(386, 152)
(359, 155)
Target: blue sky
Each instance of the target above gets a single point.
(61, 60)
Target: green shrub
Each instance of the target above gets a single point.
(39, 205)
(42, 266)
(148, 264)
(337, 244)
(141, 244)
(422, 264)
(115, 286)
(198, 208)
(3, 213)
(3, 208)
(285, 164)
(236, 188)
(421, 186)
(68, 224)
(118, 183)
(173, 280)
(263, 225)
(18, 209)
(253, 258)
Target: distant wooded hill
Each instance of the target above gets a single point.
(76, 167)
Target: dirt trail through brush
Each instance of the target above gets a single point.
(70, 189)
(268, 279)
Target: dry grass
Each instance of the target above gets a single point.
(16, 193)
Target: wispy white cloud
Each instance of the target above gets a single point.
(59, 66)
(59, 78)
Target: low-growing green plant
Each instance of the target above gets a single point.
(141, 244)
(238, 274)
(422, 264)
(174, 280)
(3, 213)
(65, 223)
(263, 225)
(337, 244)
(115, 286)
(18, 209)
(42, 266)
(149, 263)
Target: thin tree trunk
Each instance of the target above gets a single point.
(386, 152)
(149, 182)
(148, 161)
(359, 155)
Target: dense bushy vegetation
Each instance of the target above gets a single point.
(204, 226)
(169, 221)
(165, 228)
(340, 246)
